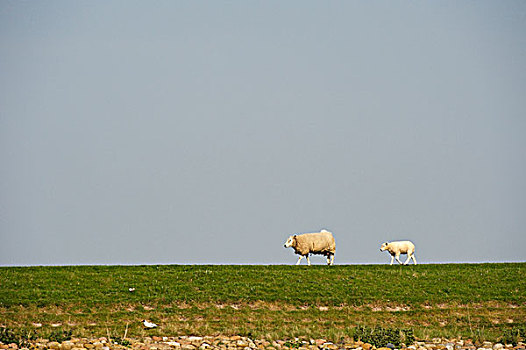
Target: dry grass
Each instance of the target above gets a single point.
(262, 318)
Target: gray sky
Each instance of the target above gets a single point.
(207, 132)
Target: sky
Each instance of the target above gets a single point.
(184, 132)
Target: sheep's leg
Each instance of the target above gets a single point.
(392, 259)
(330, 259)
(299, 260)
(397, 256)
(308, 260)
(414, 259)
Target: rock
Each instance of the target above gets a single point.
(241, 343)
(320, 342)
(173, 344)
(54, 345)
(245, 343)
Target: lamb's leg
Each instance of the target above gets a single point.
(392, 259)
(414, 259)
(408, 258)
(299, 259)
(332, 259)
(397, 256)
(308, 260)
(328, 259)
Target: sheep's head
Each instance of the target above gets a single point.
(384, 246)
(290, 241)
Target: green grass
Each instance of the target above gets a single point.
(470, 300)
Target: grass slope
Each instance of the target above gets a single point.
(450, 300)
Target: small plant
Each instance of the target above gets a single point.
(409, 336)
(514, 335)
(296, 344)
(60, 335)
(380, 337)
(122, 341)
(20, 338)
(8, 336)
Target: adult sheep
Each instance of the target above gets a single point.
(400, 247)
(321, 243)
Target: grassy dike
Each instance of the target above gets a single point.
(275, 302)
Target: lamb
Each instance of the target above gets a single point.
(400, 247)
(321, 243)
